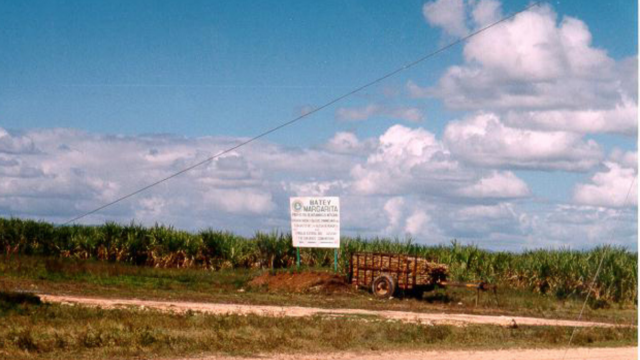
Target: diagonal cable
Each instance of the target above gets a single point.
(290, 122)
(595, 277)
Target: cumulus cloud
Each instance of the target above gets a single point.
(534, 47)
(316, 188)
(394, 208)
(614, 186)
(536, 86)
(485, 140)
(348, 143)
(497, 185)
(414, 161)
(420, 223)
(411, 218)
(15, 144)
(592, 225)
(407, 160)
(485, 212)
(447, 14)
(406, 182)
(621, 119)
(542, 70)
(377, 110)
(486, 12)
(627, 159)
(74, 171)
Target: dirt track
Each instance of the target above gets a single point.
(296, 311)
(627, 353)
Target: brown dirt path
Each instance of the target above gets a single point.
(626, 353)
(297, 311)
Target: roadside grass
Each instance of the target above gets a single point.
(117, 280)
(32, 330)
(562, 272)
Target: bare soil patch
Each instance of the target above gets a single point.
(302, 282)
(624, 353)
(297, 311)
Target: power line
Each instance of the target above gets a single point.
(595, 277)
(290, 122)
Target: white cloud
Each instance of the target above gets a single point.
(532, 48)
(545, 72)
(348, 143)
(415, 91)
(243, 201)
(407, 160)
(150, 208)
(406, 113)
(536, 85)
(592, 225)
(413, 161)
(315, 188)
(394, 208)
(475, 212)
(447, 14)
(451, 15)
(344, 142)
(357, 114)
(15, 144)
(497, 185)
(12, 167)
(615, 186)
(74, 171)
(377, 110)
(484, 140)
(405, 183)
(621, 118)
(627, 159)
(486, 12)
(420, 223)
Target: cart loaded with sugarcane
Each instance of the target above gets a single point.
(385, 274)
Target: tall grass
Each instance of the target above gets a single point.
(32, 330)
(562, 273)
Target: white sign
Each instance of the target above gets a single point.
(315, 221)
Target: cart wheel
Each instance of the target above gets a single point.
(383, 286)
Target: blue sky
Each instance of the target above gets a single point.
(233, 69)
(218, 67)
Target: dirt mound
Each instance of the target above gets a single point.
(319, 282)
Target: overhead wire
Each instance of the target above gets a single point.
(595, 276)
(306, 114)
(334, 101)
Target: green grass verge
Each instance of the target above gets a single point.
(50, 331)
(560, 272)
(104, 279)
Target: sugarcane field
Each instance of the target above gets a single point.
(167, 286)
(318, 180)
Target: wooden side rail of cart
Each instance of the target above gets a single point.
(385, 273)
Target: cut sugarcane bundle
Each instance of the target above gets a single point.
(407, 271)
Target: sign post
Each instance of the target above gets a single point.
(315, 223)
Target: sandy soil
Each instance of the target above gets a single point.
(307, 281)
(296, 311)
(627, 353)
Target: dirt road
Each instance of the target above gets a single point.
(628, 353)
(297, 311)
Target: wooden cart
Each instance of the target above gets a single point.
(384, 274)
